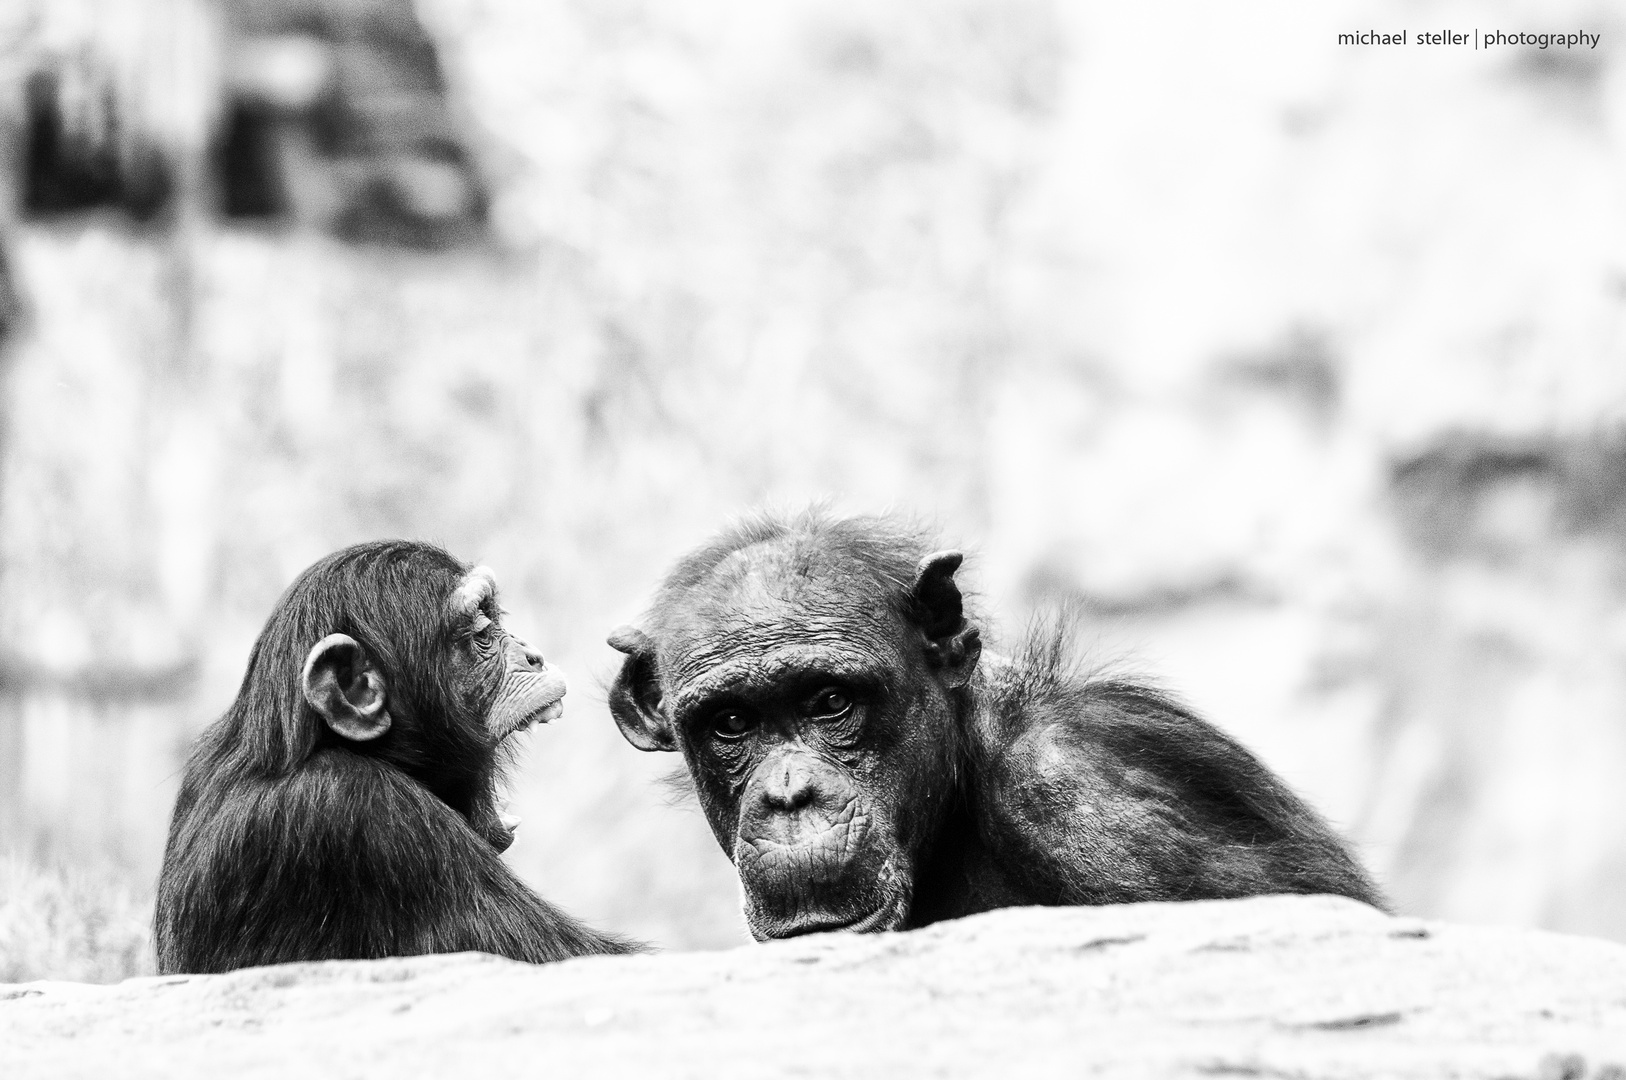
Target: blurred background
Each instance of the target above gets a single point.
(1300, 368)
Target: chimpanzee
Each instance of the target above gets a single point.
(867, 767)
(345, 806)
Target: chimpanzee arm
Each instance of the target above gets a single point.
(1107, 792)
(351, 859)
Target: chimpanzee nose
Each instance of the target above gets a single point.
(526, 657)
(789, 784)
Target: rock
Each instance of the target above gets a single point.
(1272, 986)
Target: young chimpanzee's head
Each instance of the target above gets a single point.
(395, 650)
(812, 673)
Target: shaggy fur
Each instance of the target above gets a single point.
(290, 843)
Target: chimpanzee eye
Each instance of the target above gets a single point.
(732, 723)
(831, 701)
(482, 632)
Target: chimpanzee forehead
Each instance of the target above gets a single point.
(777, 599)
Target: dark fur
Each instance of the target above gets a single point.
(1041, 785)
(1210, 820)
(289, 843)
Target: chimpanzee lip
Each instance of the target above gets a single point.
(551, 711)
(862, 924)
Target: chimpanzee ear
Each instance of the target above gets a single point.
(345, 689)
(952, 645)
(635, 697)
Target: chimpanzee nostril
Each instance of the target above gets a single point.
(789, 786)
(523, 656)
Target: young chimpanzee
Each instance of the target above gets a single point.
(345, 806)
(864, 771)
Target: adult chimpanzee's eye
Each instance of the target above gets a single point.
(831, 701)
(732, 723)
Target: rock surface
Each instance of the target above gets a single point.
(1274, 986)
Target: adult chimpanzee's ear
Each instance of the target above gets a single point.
(345, 689)
(635, 698)
(952, 645)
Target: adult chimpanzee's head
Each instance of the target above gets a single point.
(811, 672)
(396, 650)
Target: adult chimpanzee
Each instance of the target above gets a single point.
(865, 771)
(345, 807)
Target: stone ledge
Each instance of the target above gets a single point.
(1272, 986)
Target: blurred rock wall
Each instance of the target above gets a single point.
(1296, 368)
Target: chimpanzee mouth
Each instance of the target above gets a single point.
(551, 711)
(884, 917)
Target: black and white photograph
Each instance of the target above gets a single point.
(857, 538)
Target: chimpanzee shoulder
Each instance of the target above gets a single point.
(1095, 787)
(372, 866)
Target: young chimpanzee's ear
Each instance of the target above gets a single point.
(952, 645)
(635, 698)
(345, 689)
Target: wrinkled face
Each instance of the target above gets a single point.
(519, 685)
(512, 686)
(814, 735)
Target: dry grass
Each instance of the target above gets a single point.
(61, 922)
